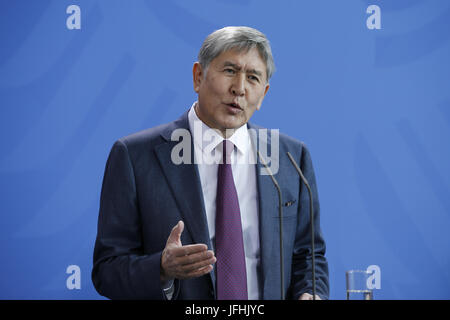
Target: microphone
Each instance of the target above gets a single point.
(280, 218)
(311, 218)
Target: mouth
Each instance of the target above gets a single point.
(234, 105)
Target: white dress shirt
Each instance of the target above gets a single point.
(244, 174)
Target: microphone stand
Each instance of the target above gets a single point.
(311, 218)
(280, 217)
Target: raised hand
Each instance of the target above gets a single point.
(184, 262)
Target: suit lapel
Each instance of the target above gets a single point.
(184, 182)
(268, 229)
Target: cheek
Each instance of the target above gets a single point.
(216, 85)
(256, 99)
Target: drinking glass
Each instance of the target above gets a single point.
(357, 288)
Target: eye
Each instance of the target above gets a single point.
(253, 78)
(229, 71)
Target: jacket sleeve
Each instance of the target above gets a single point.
(302, 257)
(121, 270)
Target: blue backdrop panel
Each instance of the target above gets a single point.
(373, 105)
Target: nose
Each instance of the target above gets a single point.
(238, 85)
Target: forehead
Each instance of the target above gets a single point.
(246, 59)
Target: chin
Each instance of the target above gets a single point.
(232, 125)
(234, 122)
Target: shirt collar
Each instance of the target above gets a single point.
(240, 137)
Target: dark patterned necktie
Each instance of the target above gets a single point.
(230, 265)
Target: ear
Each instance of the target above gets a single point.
(197, 74)
(265, 92)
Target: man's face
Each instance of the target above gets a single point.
(232, 89)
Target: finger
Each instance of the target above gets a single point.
(175, 257)
(195, 257)
(187, 268)
(175, 234)
(189, 249)
(308, 296)
(199, 272)
(305, 296)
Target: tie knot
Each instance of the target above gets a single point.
(228, 147)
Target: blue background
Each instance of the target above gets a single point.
(372, 105)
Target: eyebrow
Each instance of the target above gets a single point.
(237, 67)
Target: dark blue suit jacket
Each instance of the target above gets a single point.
(144, 194)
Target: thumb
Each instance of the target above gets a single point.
(175, 234)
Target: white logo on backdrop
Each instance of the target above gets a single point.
(374, 280)
(74, 20)
(74, 280)
(374, 20)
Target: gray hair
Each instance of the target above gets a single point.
(239, 38)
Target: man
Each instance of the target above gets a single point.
(202, 229)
